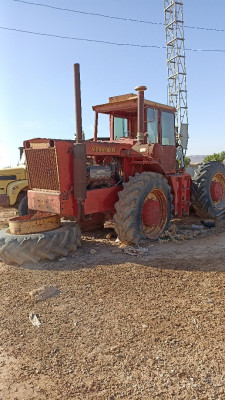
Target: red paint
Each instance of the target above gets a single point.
(181, 192)
(151, 213)
(216, 191)
(101, 200)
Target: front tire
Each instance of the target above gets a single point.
(144, 208)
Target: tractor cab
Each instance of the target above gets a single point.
(133, 119)
(158, 124)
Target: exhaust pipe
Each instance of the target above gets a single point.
(140, 132)
(79, 153)
(77, 103)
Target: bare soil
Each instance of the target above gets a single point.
(139, 324)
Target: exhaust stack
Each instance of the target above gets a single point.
(140, 132)
(77, 103)
(79, 153)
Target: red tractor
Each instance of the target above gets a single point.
(131, 176)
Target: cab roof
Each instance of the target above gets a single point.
(128, 104)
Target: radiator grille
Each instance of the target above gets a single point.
(42, 169)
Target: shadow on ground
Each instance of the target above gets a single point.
(204, 253)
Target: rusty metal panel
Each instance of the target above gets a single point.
(39, 222)
(101, 200)
(42, 169)
(181, 191)
(80, 171)
(44, 201)
(168, 160)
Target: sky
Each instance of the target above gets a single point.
(36, 72)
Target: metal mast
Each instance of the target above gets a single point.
(177, 86)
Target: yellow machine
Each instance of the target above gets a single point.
(13, 186)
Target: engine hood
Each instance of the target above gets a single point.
(15, 173)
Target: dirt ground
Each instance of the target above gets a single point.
(139, 324)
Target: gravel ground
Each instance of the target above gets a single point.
(125, 323)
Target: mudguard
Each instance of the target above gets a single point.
(14, 188)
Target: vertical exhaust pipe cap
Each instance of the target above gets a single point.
(140, 88)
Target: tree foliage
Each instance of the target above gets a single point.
(187, 161)
(215, 157)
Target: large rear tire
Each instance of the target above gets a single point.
(144, 208)
(32, 248)
(208, 189)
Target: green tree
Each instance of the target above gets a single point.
(215, 157)
(187, 161)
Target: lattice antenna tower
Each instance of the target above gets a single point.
(177, 86)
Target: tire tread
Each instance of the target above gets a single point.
(33, 248)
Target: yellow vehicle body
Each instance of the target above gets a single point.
(13, 185)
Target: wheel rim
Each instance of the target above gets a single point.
(217, 188)
(154, 213)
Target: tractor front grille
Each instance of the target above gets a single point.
(42, 169)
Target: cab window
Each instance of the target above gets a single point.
(168, 128)
(152, 125)
(120, 127)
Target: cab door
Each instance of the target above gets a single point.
(168, 141)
